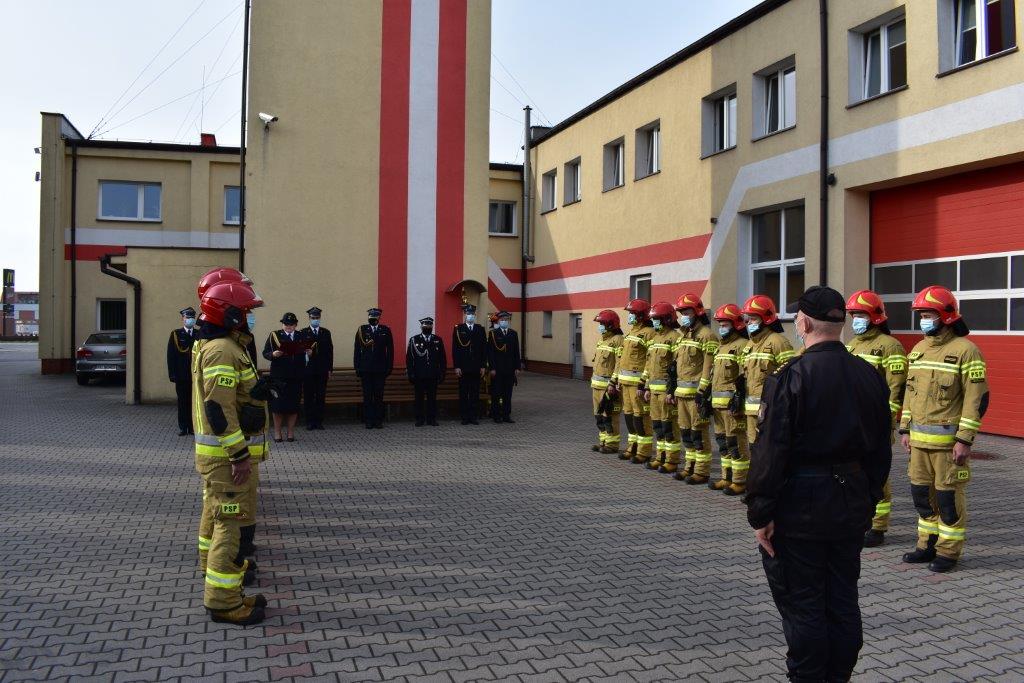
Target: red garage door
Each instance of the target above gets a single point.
(965, 232)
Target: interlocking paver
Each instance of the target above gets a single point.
(493, 553)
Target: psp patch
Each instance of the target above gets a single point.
(976, 375)
(225, 381)
(230, 508)
(963, 475)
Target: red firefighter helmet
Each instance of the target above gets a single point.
(226, 303)
(220, 275)
(940, 300)
(731, 313)
(663, 311)
(608, 318)
(639, 306)
(690, 301)
(762, 306)
(866, 301)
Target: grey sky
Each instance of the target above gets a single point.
(78, 57)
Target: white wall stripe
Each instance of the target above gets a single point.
(971, 115)
(127, 237)
(421, 264)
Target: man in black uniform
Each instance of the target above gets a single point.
(819, 462)
(179, 367)
(373, 357)
(503, 361)
(469, 349)
(318, 368)
(425, 364)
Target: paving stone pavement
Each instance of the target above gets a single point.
(504, 552)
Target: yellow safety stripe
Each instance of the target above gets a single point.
(204, 543)
(934, 439)
(726, 357)
(894, 406)
(211, 451)
(605, 347)
(673, 446)
(221, 580)
(726, 462)
(247, 374)
(783, 356)
(759, 355)
(702, 456)
(968, 423)
(926, 527)
(934, 365)
(659, 346)
(741, 465)
(952, 533)
(704, 382)
(883, 508)
(645, 440)
(873, 360)
(686, 391)
(689, 342)
(631, 438)
(599, 383)
(720, 402)
(215, 370)
(658, 385)
(229, 440)
(633, 338)
(895, 359)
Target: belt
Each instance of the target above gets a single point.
(825, 470)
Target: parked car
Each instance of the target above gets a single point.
(103, 354)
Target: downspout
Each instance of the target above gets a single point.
(527, 216)
(823, 174)
(74, 251)
(241, 143)
(136, 323)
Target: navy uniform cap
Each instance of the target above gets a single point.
(373, 312)
(469, 308)
(426, 321)
(314, 312)
(188, 311)
(289, 319)
(504, 314)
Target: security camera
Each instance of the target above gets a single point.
(267, 119)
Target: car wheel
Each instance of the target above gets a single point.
(82, 379)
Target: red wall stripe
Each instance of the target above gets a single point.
(451, 150)
(615, 299)
(393, 192)
(682, 249)
(94, 252)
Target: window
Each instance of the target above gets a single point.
(773, 94)
(640, 287)
(885, 59)
(547, 327)
(232, 205)
(501, 219)
(648, 150)
(572, 182)
(614, 164)
(547, 191)
(989, 287)
(777, 255)
(977, 29)
(124, 201)
(719, 121)
(111, 314)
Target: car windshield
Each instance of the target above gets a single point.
(105, 338)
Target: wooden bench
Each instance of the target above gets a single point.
(344, 387)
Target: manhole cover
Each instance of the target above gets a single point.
(982, 455)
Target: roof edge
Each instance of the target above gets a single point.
(152, 146)
(500, 166)
(720, 33)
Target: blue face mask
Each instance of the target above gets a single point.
(503, 324)
(687, 321)
(314, 323)
(470, 319)
(190, 323)
(753, 327)
(631, 318)
(250, 320)
(860, 325)
(657, 324)
(929, 325)
(724, 331)
(601, 329)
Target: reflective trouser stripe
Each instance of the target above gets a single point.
(751, 405)
(645, 440)
(952, 533)
(220, 580)
(741, 464)
(631, 438)
(926, 527)
(672, 446)
(702, 456)
(204, 543)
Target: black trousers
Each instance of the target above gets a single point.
(469, 394)
(314, 395)
(373, 397)
(184, 392)
(502, 383)
(425, 391)
(814, 584)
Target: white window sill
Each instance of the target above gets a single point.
(647, 175)
(613, 187)
(232, 224)
(717, 152)
(119, 219)
(547, 211)
(574, 201)
(502, 234)
(976, 62)
(774, 133)
(879, 96)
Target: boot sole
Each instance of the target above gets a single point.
(256, 616)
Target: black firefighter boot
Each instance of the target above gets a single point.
(922, 555)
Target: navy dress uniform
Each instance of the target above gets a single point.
(504, 362)
(821, 457)
(179, 367)
(469, 356)
(425, 363)
(289, 368)
(318, 369)
(373, 357)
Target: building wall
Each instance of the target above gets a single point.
(504, 251)
(689, 225)
(384, 168)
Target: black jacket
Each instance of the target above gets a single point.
(285, 367)
(179, 355)
(469, 348)
(824, 409)
(503, 351)
(373, 351)
(425, 358)
(322, 360)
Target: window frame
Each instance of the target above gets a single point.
(99, 314)
(547, 325)
(782, 265)
(614, 161)
(648, 151)
(779, 107)
(981, 32)
(1009, 293)
(724, 128)
(885, 63)
(140, 187)
(549, 200)
(635, 280)
(515, 222)
(228, 188)
(572, 185)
